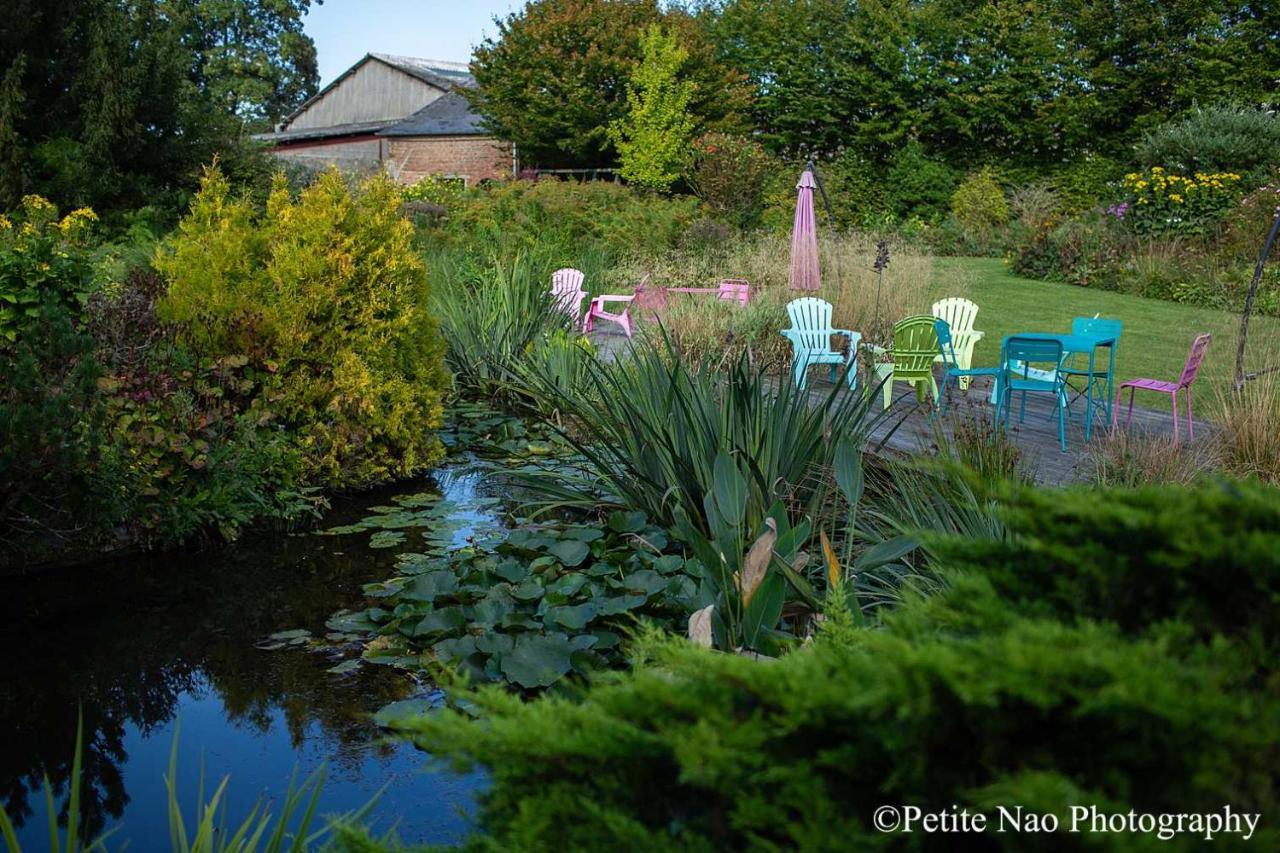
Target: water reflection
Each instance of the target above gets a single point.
(137, 644)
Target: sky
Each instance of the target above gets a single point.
(345, 30)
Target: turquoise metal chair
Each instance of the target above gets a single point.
(810, 336)
(953, 369)
(1100, 383)
(1025, 364)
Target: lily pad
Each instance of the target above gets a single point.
(442, 621)
(345, 667)
(388, 716)
(386, 539)
(538, 660)
(627, 522)
(571, 552)
(571, 618)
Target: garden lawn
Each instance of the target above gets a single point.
(1157, 334)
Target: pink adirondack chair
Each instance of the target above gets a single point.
(566, 288)
(734, 290)
(1184, 383)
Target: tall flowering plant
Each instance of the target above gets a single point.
(42, 255)
(1157, 201)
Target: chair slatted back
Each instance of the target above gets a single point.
(1194, 357)
(566, 288)
(960, 313)
(811, 319)
(915, 346)
(1029, 352)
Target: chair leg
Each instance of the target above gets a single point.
(941, 401)
(1132, 392)
(1175, 416)
(1062, 422)
(1022, 409)
(1191, 430)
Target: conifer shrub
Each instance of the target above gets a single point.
(996, 691)
(326, 294)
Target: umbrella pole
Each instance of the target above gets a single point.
(831, 219)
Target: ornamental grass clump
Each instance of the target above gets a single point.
(325, 294)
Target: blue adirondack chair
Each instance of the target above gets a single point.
(960, 375)
(810, 336)
(1026, 362)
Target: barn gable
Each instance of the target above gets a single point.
(378, 88)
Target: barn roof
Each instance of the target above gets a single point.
(435, 72)
(448, 115)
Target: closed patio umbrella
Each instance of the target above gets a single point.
(804, 238)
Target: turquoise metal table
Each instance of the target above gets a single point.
(1081, 344)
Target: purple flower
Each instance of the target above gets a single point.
(1119, 210)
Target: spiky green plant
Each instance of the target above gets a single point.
(650, 427)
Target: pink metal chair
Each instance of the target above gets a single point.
(1189, 371)
(566, 288)
(734, 290)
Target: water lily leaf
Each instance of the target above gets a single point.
(583, 534)
(386, 539)
(377, 614)
(345, 667)
(521, 620)
(542, 563)
(295, 634)
(351, 623)
(495, 644)
(519, 538)
(599, 570)
(443, 621)
(491, 609)
(344, 529)
(512, 570)
(538, 660)
(571, 552)
(567, 585)
(668, 563)
(627, 522)
(398, 712)
(606, 640)
(431, 585)
(619, 604)
(584, 641)
(454, 648)
(571, 618)
(646, 580)
(421, 499)
(529, 590)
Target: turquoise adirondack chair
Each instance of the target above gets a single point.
(915, 348)
(810, 336)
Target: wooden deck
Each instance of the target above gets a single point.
(908, 429)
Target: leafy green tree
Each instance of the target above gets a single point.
(653, 138)
(255, 60)
(117, 104)
(555, 77)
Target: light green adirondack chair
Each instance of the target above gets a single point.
(915, 346)
(810, 336)
(960, 315)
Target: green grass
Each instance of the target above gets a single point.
(1157, 334)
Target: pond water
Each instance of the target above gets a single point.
(146, 646)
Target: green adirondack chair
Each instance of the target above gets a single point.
(915, 346)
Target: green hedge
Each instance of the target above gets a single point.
(999, 691)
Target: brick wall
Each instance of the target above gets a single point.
(353, 156)
(409, 159)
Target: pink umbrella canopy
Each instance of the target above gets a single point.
(804, 239)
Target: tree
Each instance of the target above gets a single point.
(555, 77)
(118, 103)
(255, 60)
(653, 138)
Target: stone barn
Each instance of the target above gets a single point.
(399, 113)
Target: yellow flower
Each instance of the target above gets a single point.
(1174, 197)
(5, 224)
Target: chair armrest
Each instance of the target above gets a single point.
(791, 334)
(848, 333)
(612, 298)
(878, 350)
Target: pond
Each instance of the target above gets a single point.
(152, 647)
